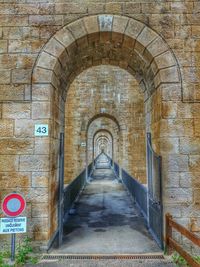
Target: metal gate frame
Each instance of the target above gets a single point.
(61, 190)
(155, 206)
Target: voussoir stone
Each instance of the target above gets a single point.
(91, 24)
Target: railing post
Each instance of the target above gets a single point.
(168, 233)
(61, 190)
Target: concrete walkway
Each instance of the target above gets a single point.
(106, 221)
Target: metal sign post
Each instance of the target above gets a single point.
(12, 206)
(13, 237)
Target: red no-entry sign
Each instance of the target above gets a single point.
(13, 205)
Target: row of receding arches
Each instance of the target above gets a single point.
(95, 40)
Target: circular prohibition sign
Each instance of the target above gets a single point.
(13, 205)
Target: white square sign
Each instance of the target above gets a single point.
(83, 144)
(41, 130)
(13, 225)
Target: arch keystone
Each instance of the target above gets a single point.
(105, 23)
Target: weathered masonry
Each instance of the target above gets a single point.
(104, 73)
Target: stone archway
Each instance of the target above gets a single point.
(103, 133)
(90, 41)
(112, 127)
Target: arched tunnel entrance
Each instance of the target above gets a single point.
(104, 208)
(131, 92)
(103, 143)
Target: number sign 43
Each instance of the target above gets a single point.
(41, 130)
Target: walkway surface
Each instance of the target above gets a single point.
(106, 221)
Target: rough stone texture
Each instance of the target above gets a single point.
(116, 105)
(171, 107)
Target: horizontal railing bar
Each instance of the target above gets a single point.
(183, 253)
(194, 238)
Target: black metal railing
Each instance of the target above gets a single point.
(116, 169)
(72, 191)
(115, 166)
(90, 169)
(137, 190)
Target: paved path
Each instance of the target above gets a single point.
(106, 220)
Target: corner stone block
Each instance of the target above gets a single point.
(169, 145)
(119, 24)
(169, 109)
(197, 127)
(178, 195)
(34, 163)
(134, 28)
(91, 24)
(42, 75)
(40, 179)
(46, 61)
(176, 163)
(146, 36)
(41, 110)
(197, 196)
(42, 92)
(40, 208)
(176, 127)
(105, 23)
(42, 145)
(170, 92)
(168, 75)
(190, 146)
(37, 195)
(77, 29)
(194, 163)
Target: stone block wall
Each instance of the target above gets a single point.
(105, 91)
(166, 40)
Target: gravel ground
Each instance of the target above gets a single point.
(107, 263)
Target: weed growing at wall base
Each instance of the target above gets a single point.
(23, 254)
(180, 261)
